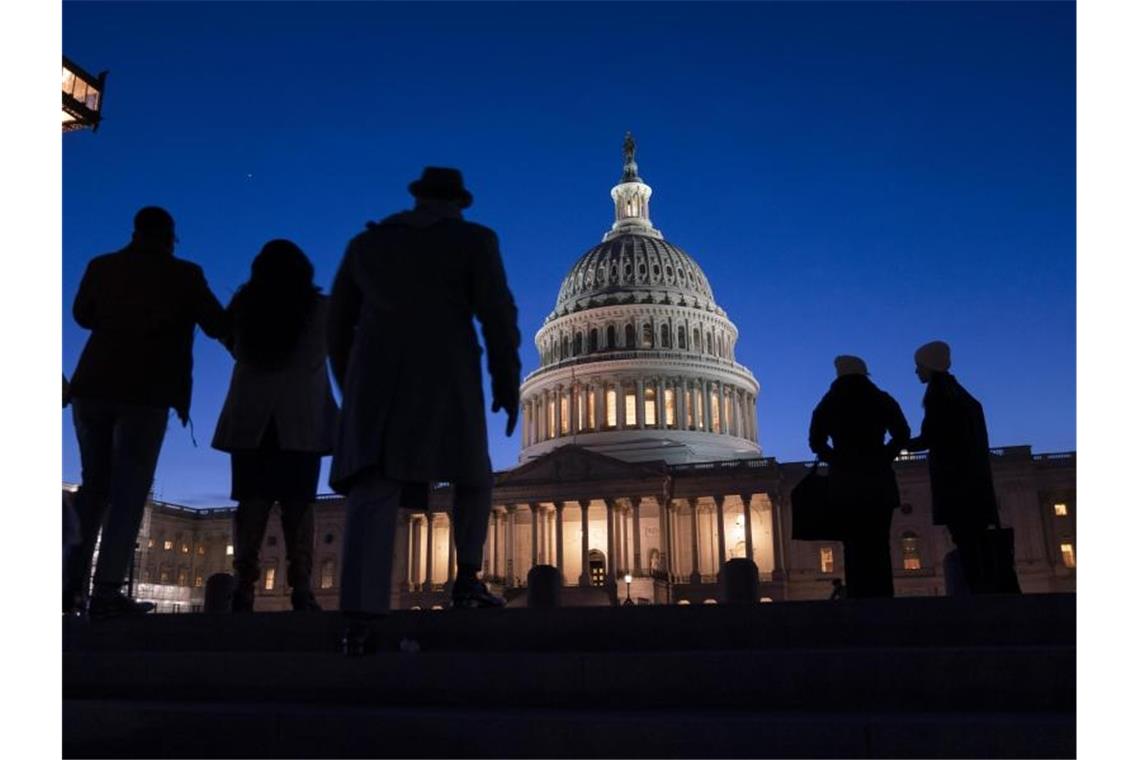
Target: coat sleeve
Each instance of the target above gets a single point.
(818, 434)
(897, 427)
(208, 312)
(495, 309)
(83, 309)
(343, 314)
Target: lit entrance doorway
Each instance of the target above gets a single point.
(597, 568)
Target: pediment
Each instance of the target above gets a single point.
(575, 464)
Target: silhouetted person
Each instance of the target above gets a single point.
(404, 352)
(838, 590)
(141, 305)
(279, 417)
(961, 483)
(855, 415)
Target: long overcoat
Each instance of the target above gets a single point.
(296, 396)
(856, 416)
(403, 348)
(954, 430)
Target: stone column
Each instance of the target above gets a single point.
(417, 553)
(660, 383)
(558, 507)
(723, 411)
(720, 529)
(611, 568)
(695, 576)
(619, 387)
(409, 528)
(533, 535)
(509, 531)
(675, 535)
(640, 403)
(779, 567)
(637, 536)
(558, 412)
(575, 399)
(429, 579)
(584, 509)
(747, 499)
(706, 395)
(679, 394)
(450, 548)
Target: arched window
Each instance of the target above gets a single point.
(680, 337)
(630, 337)
(708, 342)
(647, 335)
(611, 337)
(593, 342)
(696, 339)
(565, 346)
(665, 336)
(328, 573)
(911, 558)
(577, 343)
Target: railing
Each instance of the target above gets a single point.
(755, 463)
(648, 353)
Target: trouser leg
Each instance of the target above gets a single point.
(297, 521)
(136, 442)
(867, 557)
(968, 538)
(369, 535)
(94, 431)
(471, 511)
(250, 519)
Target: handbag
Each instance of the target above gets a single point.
(814, 516)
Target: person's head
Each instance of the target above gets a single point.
(846, 365)
(931, 358)
(154, 228)
(441, 185)
(272, 308)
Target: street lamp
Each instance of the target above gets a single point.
(82, 97)
(628, 601)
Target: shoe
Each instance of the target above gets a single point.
(116, 604)
(242, 600)
(304, 601)
(474, 594)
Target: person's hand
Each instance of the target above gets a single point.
(507, 399)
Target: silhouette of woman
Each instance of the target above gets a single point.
(279, 416)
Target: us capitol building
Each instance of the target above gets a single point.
(640, 457)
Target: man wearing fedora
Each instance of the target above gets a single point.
(847, 431)
(403, 349)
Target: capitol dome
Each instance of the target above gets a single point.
(637, 361)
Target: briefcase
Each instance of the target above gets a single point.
(814, 516)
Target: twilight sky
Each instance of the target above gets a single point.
(853, 178)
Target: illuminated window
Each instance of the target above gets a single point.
(328, 573)
(185, 548)
(199, 581)
(167, 545)
(270, 577)
(150, 543)
(714, 412)
(564, 410)
(650, 407)
(591, 410)
(611, 407)
(183, 577)
(1060, 509)
(164, 574)
(630, 408)
(647, 335)
(698, 408)
(670, 408)
(580, 407)
(201, 550)
(229, 550)
(1068, 556)
(550, 417)
(826, 559)
(910, 556)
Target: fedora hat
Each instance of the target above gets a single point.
(443, 184)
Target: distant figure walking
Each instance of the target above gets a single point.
(279, 417)
(838, 590)
(961, 483)
(141, 305)
(855, 415)
(404, 352)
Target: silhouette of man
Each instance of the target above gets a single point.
(838, 590)
(141, 305)
(961, 483)
(404, 352)
(855, 415)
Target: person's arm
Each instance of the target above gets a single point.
(817, 435)
(208, 312)
(495, 309)
(897, 427)
(83, 308)
(343, 314)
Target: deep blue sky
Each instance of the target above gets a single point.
(853, 178)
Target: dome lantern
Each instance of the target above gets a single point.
(631, 199)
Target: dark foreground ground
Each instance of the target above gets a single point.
(922, 677)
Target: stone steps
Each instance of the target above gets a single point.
(299, 729)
